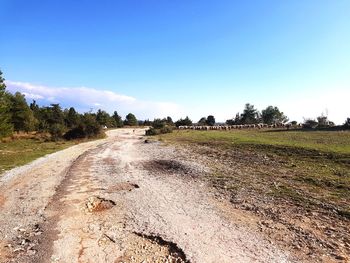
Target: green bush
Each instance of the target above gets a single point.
(158, 123)
(166, 129)
(310, 124)
(153, 131)
(56, 131)
(75, 133)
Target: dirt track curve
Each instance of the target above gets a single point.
(120, 200)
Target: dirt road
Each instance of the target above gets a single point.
(121, 200)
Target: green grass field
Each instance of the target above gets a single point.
(21, 151)
(309, 167)
(324, 141)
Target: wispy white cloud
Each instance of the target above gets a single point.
(85, 99)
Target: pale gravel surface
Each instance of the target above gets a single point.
(176, 206)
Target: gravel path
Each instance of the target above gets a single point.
(120, 200)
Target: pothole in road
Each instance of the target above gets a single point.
(125, 186)
(175, 253)
(171, 166)
(149, 248)
(98, 204)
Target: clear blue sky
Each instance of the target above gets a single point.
(203, 57)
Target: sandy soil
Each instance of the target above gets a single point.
(122, 200)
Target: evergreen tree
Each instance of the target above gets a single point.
(72, 118)
(147, 123)
(91, 126)
(118, 120)
(55, 121)
(102, 117)
(183, 122)
(169, 121)
(131, 120)
(210, 120)
(250, 115)
(22, 116)
(55, 114)
(202, 121)
(5, 118)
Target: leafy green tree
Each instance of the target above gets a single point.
(211, 120)
(6, 126)
(272, 115)
(118, 120)
(131, 120)
(183, 122)
(22, 116)
(250, 115)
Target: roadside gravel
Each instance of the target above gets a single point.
(121, 200)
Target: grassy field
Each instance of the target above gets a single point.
(324, 141)
(297, 183)
(21, 151)
(305, 167)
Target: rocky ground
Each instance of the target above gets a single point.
(257, 185)
(123, 200)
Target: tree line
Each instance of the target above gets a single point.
(271, 115)
(250, 115)
(16, 115)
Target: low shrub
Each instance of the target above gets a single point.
(166, 129)
(75, 133)
(153, 131)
